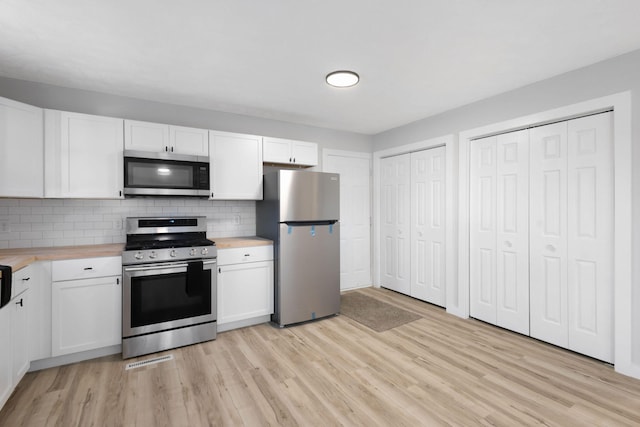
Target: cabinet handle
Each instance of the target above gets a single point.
(120, 193)
(88, 268)
(26, 279)
(289, 159)
(166, 148)
(117, 280)
(294, 160)
(219, 270)
(172, 149)
(211, 194)
(20, 303)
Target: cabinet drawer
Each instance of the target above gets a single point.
(21, 280)
(246, 254)
(86, 268)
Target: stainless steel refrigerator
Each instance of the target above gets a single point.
(300, 213)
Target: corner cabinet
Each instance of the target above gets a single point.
(236, 166)
(158, 137)
(83, 156)
(245, 286)
(287, 151)
(21, 150)
(86, 308)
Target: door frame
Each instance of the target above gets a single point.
(620, 103)
(451, 185)
(326, 152)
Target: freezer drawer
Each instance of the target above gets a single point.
(308, 276)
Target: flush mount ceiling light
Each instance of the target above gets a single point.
(342, 78)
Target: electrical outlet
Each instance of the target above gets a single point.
(236, 220)
(117, 224)
(4, 226)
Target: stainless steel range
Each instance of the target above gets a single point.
(169, 292)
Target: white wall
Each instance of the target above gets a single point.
(613, 76)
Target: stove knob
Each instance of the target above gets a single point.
(138, 255)
(153, 255)
(173, 253)
(205, 251)
(192, 252)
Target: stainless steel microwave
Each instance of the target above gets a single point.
(165, 174)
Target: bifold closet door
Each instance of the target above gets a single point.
(499, 210)
(395, 223)
(428, 225)
(571, 214)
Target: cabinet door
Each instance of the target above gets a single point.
(244, 291)
(40, 311)
(20, 332)
(590, 231)
(304, 153)
(482, 230)
(86, 314)
(83, 155)
(276, 150)
(146, 136)
(395, 217)
(21, 150)
(428, 226)
(548, 234)
(191, 141)
(236, 166)
(6, 356)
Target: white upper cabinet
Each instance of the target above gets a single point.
(158, 137)
(83, 156)
(21, 150)
(236, 166)
(277, 150)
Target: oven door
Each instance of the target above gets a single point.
(163, 296)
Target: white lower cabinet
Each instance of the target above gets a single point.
(20, 335)
(6, 356)
(14, 343)
(86, 304)
(245, 286)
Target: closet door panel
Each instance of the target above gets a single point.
(512, 269)
(427, 225)
(548, 233)
(395, 182)
(482, 210)
(590, 232)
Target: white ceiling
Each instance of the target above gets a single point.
(268, 58)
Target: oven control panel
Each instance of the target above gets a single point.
(168, 254)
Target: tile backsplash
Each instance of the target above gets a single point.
(26, 223)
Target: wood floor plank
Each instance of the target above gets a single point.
(437, 370)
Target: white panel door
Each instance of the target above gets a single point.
(548, 234)
(428, 225)
(512, 220)
(395, 246)
(590, 236)
(355, 217)
(482, 228)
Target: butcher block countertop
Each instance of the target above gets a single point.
(18, 258)
(240, 242)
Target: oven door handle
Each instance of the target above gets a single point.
(164, 266)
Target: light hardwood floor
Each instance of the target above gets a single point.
(438, 370)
